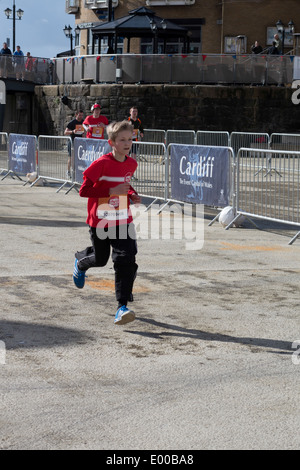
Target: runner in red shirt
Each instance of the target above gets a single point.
(107, 186)
(95, 124)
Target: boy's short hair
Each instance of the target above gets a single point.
(114, 128)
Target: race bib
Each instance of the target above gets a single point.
(97, 132)
(79, 129)
(112, 208)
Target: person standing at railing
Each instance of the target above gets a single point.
(278, 44)
(29, 65)
(74, 129)
(4, 66)
(256, 48)
(273, 50)
(19, 63)
(95, 124)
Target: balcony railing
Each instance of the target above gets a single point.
(96, 4)
(34, 69)
(132, 68)
(191, 68)
(72, 6)
(156, 3)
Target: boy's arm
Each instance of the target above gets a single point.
(131, 191)
(87, 189)
(133, 196)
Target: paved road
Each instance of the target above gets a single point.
(208, 363)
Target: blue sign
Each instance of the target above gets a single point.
(200, 174)
(22, 153)
(85, 152)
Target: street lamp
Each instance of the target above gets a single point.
(281, 29)
(153, 26)
(20, 13)
(68, 33)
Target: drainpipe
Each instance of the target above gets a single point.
(222, 28)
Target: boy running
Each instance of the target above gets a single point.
(138, 130)
(95, 124)
(106, 185)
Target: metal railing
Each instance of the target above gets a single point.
(154, 135)
(151, 177)
(54, 159)
(148, 68)
(264, 182)
(215, 138)
(285, 142)
(180, 137)
(268, 185)
(3, 152)
(258, 140)
(34, 69)
(191, 68)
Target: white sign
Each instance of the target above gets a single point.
(296, 68)
(2, 92)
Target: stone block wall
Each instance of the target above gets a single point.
(196, 107)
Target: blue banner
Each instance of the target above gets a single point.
(22, 153)
(200, 175)
(85, 152)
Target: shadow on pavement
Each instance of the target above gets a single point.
(178, 331)
(36, 335)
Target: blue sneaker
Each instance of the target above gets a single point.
(78, 276)
(124, 315)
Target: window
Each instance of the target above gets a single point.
(152, 3)
(235, 44)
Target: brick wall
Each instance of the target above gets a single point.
(239, 17)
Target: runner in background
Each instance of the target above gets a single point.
(138, 130)
(74, 129)
(95, 124)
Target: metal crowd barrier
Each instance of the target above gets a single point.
(154, 135)
(285, 142)
(268, 185)
(180, 137)
(3, 152)
(256, 140)
(54, 153)
(213, 138)
(232, 177)
(265, 182)
(150, 178)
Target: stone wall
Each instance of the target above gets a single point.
(227, 108)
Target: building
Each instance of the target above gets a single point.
(215, 26)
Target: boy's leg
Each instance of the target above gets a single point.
(96, 255)
(124, 250)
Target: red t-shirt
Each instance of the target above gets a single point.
(97, 132)
(104, 173)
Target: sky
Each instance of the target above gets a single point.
(40, 30)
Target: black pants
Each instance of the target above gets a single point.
(124, 249)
